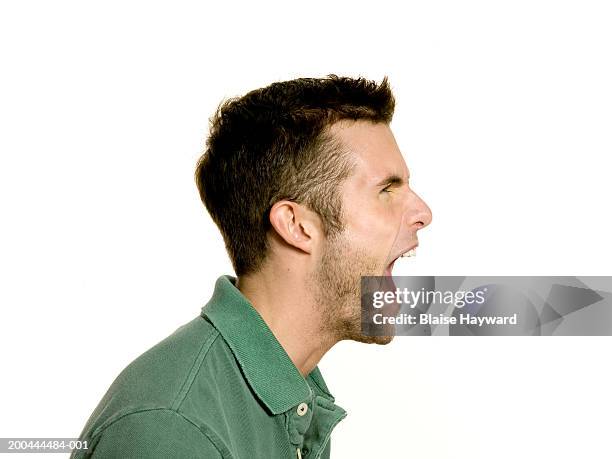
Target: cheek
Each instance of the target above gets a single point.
(374, 228)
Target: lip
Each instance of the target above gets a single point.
(410, 247)
(389, 268)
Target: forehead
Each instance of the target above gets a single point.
(373, 149)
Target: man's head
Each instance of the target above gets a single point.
(306, 174)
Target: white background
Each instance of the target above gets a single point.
(503, 115)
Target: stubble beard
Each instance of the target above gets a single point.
(337, 291)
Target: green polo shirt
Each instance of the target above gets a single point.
(221, 386)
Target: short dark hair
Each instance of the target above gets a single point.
(273, 144)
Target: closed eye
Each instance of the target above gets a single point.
(390, 182)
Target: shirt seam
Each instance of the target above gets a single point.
(195, 368)
(224, 454)
(322, 390)
(328, 435)
(191, 375)
(100, 430)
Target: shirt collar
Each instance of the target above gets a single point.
(266, 366)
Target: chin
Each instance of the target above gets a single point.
(382, 340)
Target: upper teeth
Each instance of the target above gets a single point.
(410, 253)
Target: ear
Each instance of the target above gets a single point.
(295, 224)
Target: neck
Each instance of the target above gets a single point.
(285, 302)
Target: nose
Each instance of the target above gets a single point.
(417, 214)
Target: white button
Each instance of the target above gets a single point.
(301, 409)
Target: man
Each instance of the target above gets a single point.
(310, 191)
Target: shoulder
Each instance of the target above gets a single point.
(155, 433)
(150, 390)
(156, 378)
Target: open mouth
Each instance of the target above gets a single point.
(408, 253)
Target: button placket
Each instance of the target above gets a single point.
(298, 423)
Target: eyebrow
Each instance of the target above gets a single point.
(392, 179)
